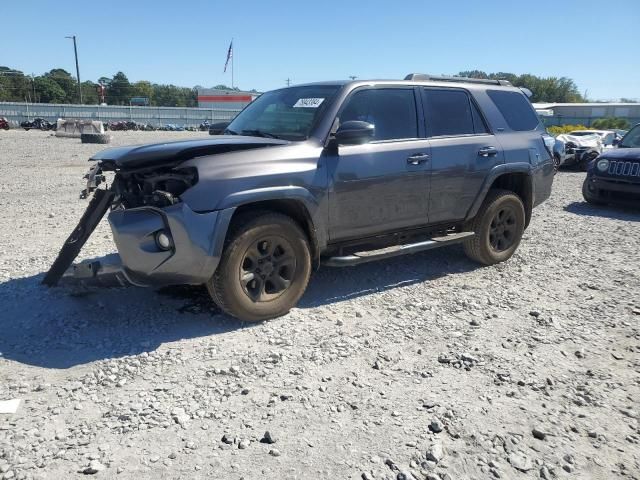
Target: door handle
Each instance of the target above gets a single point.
(418, 158)
(488, 152)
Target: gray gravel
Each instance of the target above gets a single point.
(425, 367)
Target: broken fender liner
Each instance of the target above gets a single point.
(98, 206)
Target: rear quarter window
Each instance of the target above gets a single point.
(515, 108)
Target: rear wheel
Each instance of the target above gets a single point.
(498, 228)
(264, 269)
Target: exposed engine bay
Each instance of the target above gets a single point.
(151, 186)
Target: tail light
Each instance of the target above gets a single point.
(549, 143)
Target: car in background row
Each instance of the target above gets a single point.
(583, 146)
(614, 177)
(610, 138)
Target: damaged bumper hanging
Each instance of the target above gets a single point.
(97, 208)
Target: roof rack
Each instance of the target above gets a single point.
(441, 78)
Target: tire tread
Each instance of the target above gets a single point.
(473, 247)
(216, 286)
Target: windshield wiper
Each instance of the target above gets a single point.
(230, 132)
(259, 133)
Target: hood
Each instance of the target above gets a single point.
(628, 154)
(590, 141)
(151, 154)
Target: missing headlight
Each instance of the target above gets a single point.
(160, 187)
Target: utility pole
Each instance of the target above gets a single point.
(75, 50)
(288, 80)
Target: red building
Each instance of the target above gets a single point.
(224, 99)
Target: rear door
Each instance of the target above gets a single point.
(383, 185)
(463, 150)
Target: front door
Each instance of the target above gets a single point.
(381, 186)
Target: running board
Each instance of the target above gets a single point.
(396, 250)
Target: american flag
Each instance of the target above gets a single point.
(229, 55)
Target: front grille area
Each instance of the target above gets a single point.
(624, 169)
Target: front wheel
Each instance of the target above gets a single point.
(591, 194)
(498, 228)
(264, 269)
(586, 160)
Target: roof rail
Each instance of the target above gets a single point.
(441, 78)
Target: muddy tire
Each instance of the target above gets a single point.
(264, 269)
(95, 138)
(498, 226)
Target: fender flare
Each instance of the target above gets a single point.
(232, 202)
(498, 171)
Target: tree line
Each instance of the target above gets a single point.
(59, 86)
(544, 89)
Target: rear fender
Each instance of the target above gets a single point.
(494, 174)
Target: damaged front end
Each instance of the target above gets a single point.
(134, 197)
(160, 239)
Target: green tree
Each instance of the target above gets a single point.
(66, 82)
(610, 123)
(89, 93)
(49, 91)
(143, 88)
(15, 86)
(119, 90)
(544, 89)
(226, 87)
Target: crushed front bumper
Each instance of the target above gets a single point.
(196, 243)
(192, 257)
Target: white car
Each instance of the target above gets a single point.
(608, 137)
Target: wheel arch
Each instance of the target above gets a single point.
(515, 177)
(295, 202)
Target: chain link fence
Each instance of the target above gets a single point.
(17, 112)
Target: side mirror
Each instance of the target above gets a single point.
(218, 128)
(615, 142)
(355, 132)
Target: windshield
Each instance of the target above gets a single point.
(289, 113)
(632, 138)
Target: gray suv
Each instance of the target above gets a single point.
(334, 173)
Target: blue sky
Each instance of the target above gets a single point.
(185, 43)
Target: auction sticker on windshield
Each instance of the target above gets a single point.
(308, 102)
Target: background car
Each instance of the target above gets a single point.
(615, 176)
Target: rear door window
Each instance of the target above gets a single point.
(515, 108)
(450, 112)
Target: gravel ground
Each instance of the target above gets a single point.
(425, 367)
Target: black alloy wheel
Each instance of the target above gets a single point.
(267, 269)
(503, 229)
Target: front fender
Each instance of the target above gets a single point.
(230, 203)
(291, 192)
